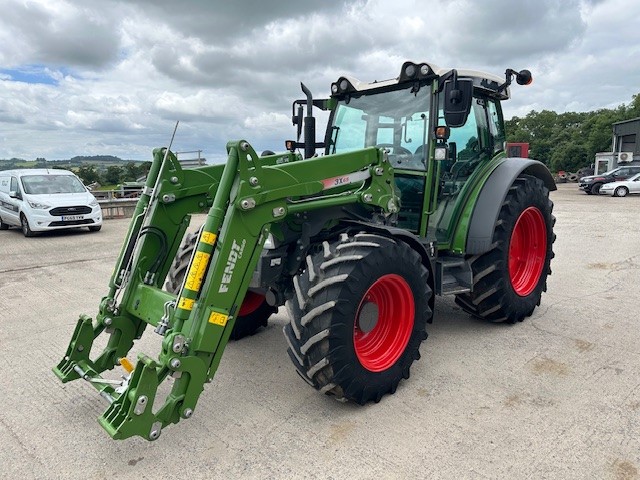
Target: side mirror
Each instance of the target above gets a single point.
(14, 194)
(457, 101)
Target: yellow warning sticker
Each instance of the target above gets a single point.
(218, 318)
(186, 303)
(196, 272)
(208, 238)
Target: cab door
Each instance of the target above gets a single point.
(470, 147)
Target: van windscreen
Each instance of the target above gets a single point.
(50, 184)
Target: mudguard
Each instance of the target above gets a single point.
(487, 207)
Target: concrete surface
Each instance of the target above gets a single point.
(557, 396)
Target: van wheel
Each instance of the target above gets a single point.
(26, 230)
(95, 228)
(3, 226)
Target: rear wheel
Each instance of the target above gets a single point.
(358, 316)
(26, 229)
(254, 312)
(3, 226)
(621, 192)
(509, 279)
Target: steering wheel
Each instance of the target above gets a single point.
(395, 149)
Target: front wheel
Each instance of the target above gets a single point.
(95, 228)
(26, 229)
(358, 316)
(621, 192)
(3, 226)
(595, 189)
(509, 279)
(255, 310)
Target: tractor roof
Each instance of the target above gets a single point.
(484, 80)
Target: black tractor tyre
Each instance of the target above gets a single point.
(26, 229)
(509, 279)
(256, 309)
(358, 316)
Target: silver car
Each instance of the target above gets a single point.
(622, 188)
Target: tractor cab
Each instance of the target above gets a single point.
(439, 127)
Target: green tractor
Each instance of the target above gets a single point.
(413, 196)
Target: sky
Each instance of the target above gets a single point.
(112, 77)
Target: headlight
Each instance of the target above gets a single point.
(587, 180)
(94, 203)
(38, 205)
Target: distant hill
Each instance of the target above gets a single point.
(99, 161)
(96, 158)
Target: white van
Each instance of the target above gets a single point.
(39, 200)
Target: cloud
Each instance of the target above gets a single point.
(503, 30)
(57, 33)
(116, 75)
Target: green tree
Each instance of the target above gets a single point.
(88, 174)
(130, 172)
(570, 140)
(113, 175)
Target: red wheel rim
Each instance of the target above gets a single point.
(527, 251)
(380, 347)
(250, 303)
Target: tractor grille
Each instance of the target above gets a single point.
(76, 210)
(71, 223)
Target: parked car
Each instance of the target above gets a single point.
(38, 200)
(622, 188)
(593, 183)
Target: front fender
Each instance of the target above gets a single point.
(494, 191)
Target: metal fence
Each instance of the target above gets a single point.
(115, 203)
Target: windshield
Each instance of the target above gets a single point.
(51, 184)
(396, 120)
(635, 178)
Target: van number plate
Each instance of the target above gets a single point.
(71, 218)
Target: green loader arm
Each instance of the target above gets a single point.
(244, 198)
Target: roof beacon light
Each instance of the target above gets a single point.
(523, 77)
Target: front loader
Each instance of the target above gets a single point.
(413, 196)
